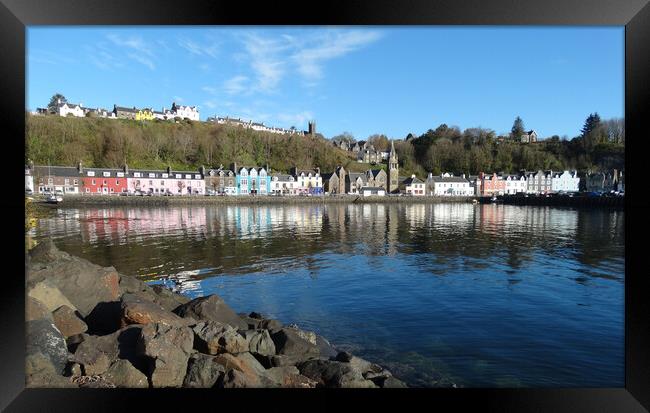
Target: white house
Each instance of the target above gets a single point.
(565, 182)
(371, 190)
(309, 181)
(282, 184)
(29, 179)
(189, 112)
(448, 185)
(65, 109)
(166, 182)
(412, 186)
(515, 184)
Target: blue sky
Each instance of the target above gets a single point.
(360, 79)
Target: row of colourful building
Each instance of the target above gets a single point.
(254, 180)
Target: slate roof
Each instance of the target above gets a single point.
(375, 172)
(44, 170)
(283, 177)
(412, 180)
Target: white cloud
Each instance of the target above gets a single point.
(235, 85)
(198, 49)
(295, 119)
(141, 52)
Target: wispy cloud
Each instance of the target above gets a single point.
(235, 85)
(100, 56)
(299, 118)
(140, 51)
(48, 57)
(196, 48)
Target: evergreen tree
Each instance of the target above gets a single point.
(591, 124)
(54, 102)
(517, 129)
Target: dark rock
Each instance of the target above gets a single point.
(391, 383)
(136, 310)
(203, 371)
(214, 337)
(211, 308)
(271, 325)
(278, 360)
(36, 310)
(344, 356)
(281, 376)
(73, 370)
(97, 353)
(123, 374)
(74, 341)
(259, 342)
(256, 316)
(330, 373)
(168, 349)
(287, 341)
(244, 363)
(44, 338)
(68, 321)
(235, 379)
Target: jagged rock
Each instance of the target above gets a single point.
(40, 372)
(73, 370)
(331, 373)
(35, 310)
(123, 374)
(270, 324)
(259, 342)
(44, 338)
(68, 322)
(256, 316)
(325, 348)
(235, 379)
(213, 338)
(168, 299)
(83, 283)
(97, 353)
(136, 310)
(307, 335)
(389, 383)
(168, 349)
(45, 252)
(288, 341)
(203, 371)
(211, 308)
(244, 363)
(288, 376)
(48, 295)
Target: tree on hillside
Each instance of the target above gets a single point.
(591, 123)
(54, 102)
(517, 129)
(380, 142)
(345, 137)
(592, 133)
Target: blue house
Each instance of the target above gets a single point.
(252, 181)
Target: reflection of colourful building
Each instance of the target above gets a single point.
(252, 181)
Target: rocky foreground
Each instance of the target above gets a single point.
(88, 326)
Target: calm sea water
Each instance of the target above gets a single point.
(477, 295)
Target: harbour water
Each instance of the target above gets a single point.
(476, 295)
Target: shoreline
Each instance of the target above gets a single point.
(90, 326)
(77, 200)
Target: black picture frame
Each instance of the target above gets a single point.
(15, 15)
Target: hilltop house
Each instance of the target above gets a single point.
(183, 112)
(67, 108)
(529, 137)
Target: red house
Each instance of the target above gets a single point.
(102, 181)
(492, 184)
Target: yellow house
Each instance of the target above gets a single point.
(144, 114)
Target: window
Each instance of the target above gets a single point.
(93, 182)
(91, 173)
(197, 176)
(150, 182)
(179, 176)
(76, 182)
(137, 174)
(87, 189)
(112, 190)
(152, 175)
(107, 174)
(162, 183)
(165, 175)
(188, 176)
(50, 181)
(105, 182)
(120, 174)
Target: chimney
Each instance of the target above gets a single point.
(169, 169)
(80, 167)
(412, 176)
(463, 176)
(318, 170)
(481, 175)
(202, 170)
(126, 169)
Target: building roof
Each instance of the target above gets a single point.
(327, 175)
(375, 172)
(123, 109)
(412, 180)
(448, 179)
(282, 177)
(372, 188)
(56, 170)
(356, 175)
